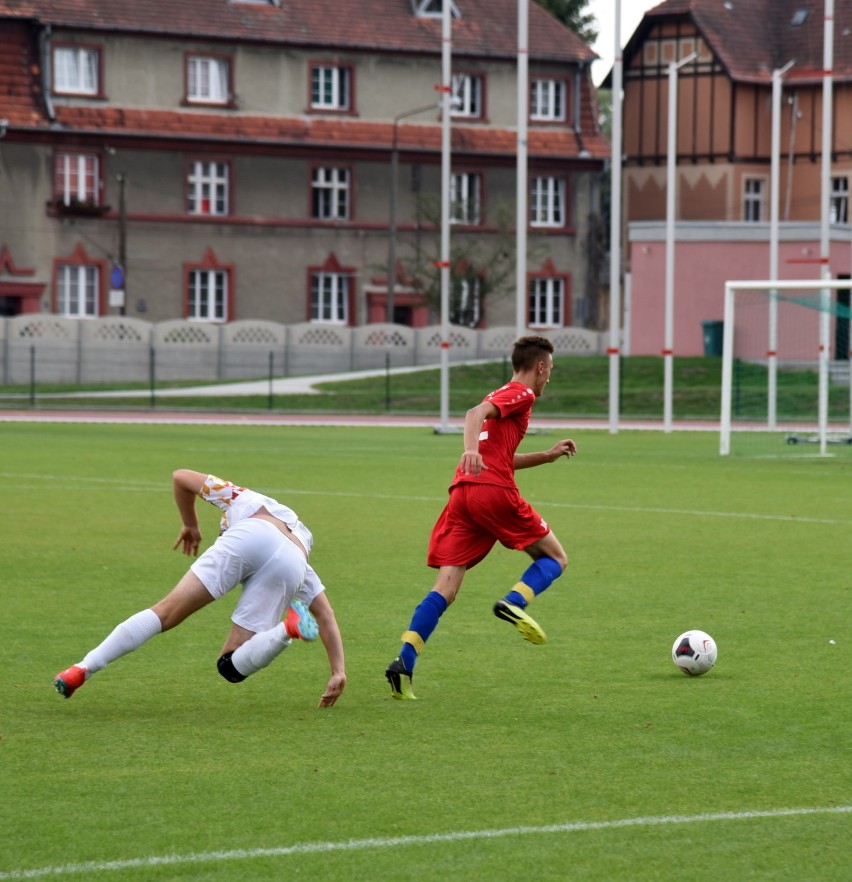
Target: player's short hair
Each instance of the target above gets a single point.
(528, 350)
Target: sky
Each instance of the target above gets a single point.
(604, 12)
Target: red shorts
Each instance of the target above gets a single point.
(477, 516)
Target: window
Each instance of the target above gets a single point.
(433, 9)
(330, 193)
(208, 295)
(839, 201)
(467, 95)
(208, 79)
(75, 70)
(547, 303)
(77, 290)
(753, 199)
(548, 202)
(466, 308)
(330, 297)
(548, 100)
(208, 188)
(331, 88)
(76, 178)
(464, 199)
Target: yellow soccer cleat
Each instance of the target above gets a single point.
(527, 627)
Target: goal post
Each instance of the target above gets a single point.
(786, 366)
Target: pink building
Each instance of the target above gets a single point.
(707, 255)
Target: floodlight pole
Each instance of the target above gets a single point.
(389, 310)
(671, 185)
(774, 202)
(444, 263)
(615, 234)
(521, 170)
(825, 204)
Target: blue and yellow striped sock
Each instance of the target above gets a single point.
(423, 623)
(537, 577)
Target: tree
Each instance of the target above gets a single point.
(575, 15)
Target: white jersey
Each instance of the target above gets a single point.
(239, 503)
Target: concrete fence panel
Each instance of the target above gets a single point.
(463, 344)
(186, 350)
(43, 344)
(372, 344)
(318, 349)
(115, 349)
(251, 348)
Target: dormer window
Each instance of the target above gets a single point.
(433, 8)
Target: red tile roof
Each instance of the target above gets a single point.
(753, 37)
(487, 28)
(321, 132)
(301, 21)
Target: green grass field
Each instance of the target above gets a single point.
(588, 758)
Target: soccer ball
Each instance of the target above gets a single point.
(694, 652)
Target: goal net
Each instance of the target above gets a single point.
(785, 368)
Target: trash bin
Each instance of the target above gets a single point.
(713, 335)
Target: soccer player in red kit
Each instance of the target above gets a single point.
(485, 507)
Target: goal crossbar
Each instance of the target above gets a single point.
(773, 289)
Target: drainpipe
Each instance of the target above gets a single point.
(46, 72)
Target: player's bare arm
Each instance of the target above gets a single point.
(566, 448)
(471, 461)
(187, 484)
(329, 633)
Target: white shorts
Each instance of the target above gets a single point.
(271, 568)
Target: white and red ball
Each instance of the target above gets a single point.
(694, 652)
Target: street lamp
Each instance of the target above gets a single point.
(671, 184)
(392, 213)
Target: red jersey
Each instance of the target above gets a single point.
(500, 436)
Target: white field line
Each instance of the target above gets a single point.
(92, 867)
(144, 487)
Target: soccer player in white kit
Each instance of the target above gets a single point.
(263, 545)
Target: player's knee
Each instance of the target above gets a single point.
(226, 668)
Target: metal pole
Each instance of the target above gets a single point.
(446, 94)
(389, 310)
(671, 188)
(521, 172)
(122, 237)
(825, 203)
(615, 233)
(774, 209)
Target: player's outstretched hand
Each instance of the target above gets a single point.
(332, 691)
(566, 447)
(189, 539)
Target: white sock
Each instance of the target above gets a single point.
(258, 651)
(126, 637)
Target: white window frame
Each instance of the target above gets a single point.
(547, 201)
(77, 294)
(548, 100)
(77, 178)
(470, 298)
(333, 79)
(208, 181)
(466, 96)
(208, 79)
(207, 295)
(330, 188)
(839, 213)
(433, 9)
(754, 192)
(330, 298)
(547, 303)
(76, 70)
(465, 198)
